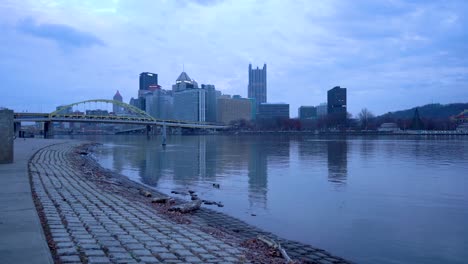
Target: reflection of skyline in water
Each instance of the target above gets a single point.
(303, 190)
(332, 151)
(186, 160)
(337, 153)
(190, 159)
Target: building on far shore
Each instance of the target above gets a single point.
(388, 127)
(189, 100)
(148, 81)
(273, 111)
(257, 88)
(211, 102)
(322, 110)
(159, 104)
(115, 107)
(336, 102)
(235, 108)
(307, 112)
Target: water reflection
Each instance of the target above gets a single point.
(417, 203)
(258, 176)
(337, 153)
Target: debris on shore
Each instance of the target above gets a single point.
(145, 193)
(161, 200)
(186, 207)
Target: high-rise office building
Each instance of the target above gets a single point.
(336, 103)
(115, 107)
(159, 104)
(257, 88)
(307, 112)
(148, 84)
(273, 111)
(148, 81)
(235, 108)
(189, 100)
(211, 102)
(184, 82)
(322, 110)
(190, 105)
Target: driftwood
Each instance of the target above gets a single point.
(186, 207)
(145, 193)
(160, 200)
(275, 245)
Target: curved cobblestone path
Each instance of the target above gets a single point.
(89, 224)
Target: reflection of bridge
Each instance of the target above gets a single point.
(128, 114)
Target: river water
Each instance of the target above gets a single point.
(367, 199)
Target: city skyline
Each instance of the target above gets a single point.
(390, 55)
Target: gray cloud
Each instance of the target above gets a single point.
(62, 34)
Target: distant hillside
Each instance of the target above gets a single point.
(430, 111)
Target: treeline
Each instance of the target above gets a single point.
(427, 117)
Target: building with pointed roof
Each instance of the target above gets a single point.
(189, 100)
(116, 108)
(184, 82)
(257, 87)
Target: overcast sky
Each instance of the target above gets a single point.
(390, 54)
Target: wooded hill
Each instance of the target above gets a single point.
(429, 111)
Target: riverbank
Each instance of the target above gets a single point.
(95, 215)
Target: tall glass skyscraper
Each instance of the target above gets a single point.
(257, 88)
(148, 81)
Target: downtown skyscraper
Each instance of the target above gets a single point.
(257, 88)
(148, 81)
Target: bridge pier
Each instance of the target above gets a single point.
(48, 129)
(17, 129)
(148, 129)
(6, 136)
(164, 134)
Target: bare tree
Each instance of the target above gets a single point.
(365, 117)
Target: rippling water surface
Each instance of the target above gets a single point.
(370, 200)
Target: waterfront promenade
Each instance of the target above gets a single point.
(21, 237)
(91, 217)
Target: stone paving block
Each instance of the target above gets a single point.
(64, 244)
(172, 261)
(141, 252)
(149, 260)
(159, 250)
(94, 252)
(233, 251)
(98, 260)
(120, 255)
(66, 251)
(211, 247)
(116, 249)
(182, 252)
(89, 245)
(153, 244)
(86, 241)
(134, 246)
(193, 259)
(167, 256)
(70, 259)
(222, 254)
(176, 246)
(230, 259)
(109, 243)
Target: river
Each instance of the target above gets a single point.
(384, 199)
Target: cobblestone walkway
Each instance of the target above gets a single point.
(89, 225)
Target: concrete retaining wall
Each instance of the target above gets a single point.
(6, 136)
